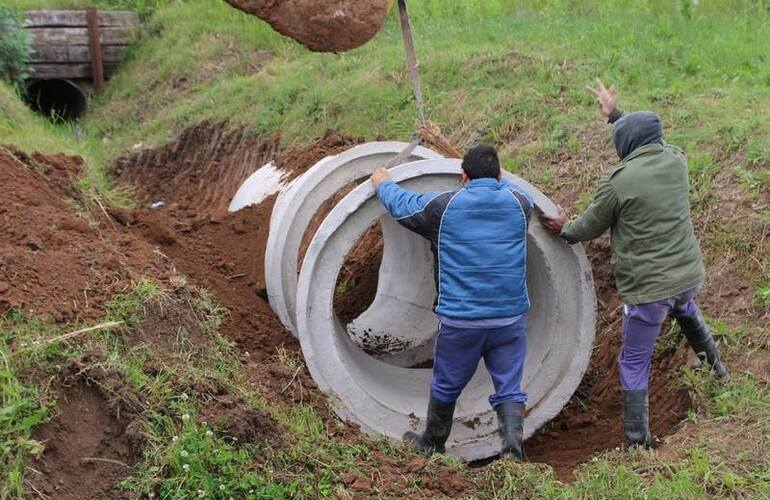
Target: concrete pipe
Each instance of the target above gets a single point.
(383, 394)
(296, 207)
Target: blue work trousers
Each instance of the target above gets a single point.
(457, 355)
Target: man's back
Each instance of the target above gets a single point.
(655, 251)
(482, 253)
(478, 237)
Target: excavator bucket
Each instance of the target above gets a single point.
(321, 25)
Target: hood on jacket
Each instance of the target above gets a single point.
(635, 130)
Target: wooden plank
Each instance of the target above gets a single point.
(79, 36)
(77, 18)
(43, 71)
(75, 54)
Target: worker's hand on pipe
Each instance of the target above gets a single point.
(379, 176)
(606, 97)
(554, 224)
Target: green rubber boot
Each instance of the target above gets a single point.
(511, 419)
(437, 428)
(697, 333)
(636, 419)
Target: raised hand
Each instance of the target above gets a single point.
(607, 98)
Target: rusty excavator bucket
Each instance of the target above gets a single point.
(321, 25)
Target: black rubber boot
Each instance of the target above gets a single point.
(438, 425)
(636, 419)
(511, 419)
(697, 333)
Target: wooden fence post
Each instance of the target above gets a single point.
(95, 48)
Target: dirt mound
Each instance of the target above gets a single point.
(53, 262)
(167, 324)
(226, 257)
(237, 419)
(88, 448)
(330, 26)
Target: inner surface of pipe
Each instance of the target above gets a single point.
(56, 98)
(382, 394)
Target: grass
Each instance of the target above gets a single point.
(504, 71)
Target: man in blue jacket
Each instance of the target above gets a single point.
(478, 235)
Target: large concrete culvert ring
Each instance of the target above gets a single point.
(380, 391)
(57, 98)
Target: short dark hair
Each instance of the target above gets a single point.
(481, 161)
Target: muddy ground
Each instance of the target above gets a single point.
(65, 266)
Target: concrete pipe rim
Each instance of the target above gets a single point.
(296, 206)
(355, 380)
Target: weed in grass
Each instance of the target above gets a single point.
(20, 412)
(125, 307)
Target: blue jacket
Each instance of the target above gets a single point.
(478, 236)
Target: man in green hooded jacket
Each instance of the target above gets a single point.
(656, 258)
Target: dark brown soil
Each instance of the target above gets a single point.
(357, 281)
(329, 26)
(53, 262)
(199, 171)
(89, 449)
(224, 255)
(235, 418)
(167, 325)
(296, 161)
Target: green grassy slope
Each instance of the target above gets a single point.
(497, 71)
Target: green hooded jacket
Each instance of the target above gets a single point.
(645, 204)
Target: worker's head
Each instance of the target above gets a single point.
(635, 130)
(479, 162)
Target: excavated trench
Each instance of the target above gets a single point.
(213, 248)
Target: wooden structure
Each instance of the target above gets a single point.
(66, 46)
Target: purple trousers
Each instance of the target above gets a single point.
(641, 326)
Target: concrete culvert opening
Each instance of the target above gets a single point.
(56, 98)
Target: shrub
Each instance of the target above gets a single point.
(15, 49)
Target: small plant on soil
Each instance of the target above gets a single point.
(763, 293)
